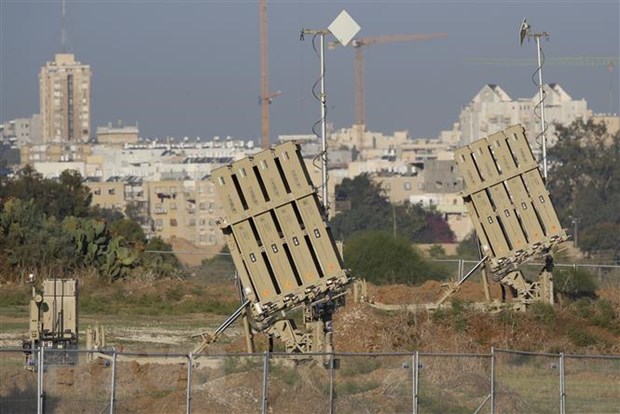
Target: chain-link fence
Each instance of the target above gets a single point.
(605, 275)
(502, 381)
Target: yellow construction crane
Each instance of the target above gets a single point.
(265, 96)
(610, 62)
(359, 44)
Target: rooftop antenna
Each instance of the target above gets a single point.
(63, 31)
(525, 32)
(344, 28)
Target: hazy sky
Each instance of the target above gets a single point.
(191, 68)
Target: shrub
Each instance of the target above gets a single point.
(574, 283)
(455, 316)
(580, 337)
(543, 312)
(381, 258)
(359, 365)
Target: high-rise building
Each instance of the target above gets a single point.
(64, 90)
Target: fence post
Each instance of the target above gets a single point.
(265, 382)
(416, 364)
(331, 383)
(562, 385)
(493, 380)
(40, 368)
(188, 398)
(113, 385)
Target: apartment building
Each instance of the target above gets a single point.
(372, 145)
(117, 136)
(492, 110)
(55, 153)
(186, 209)
(64, 93)
(22, 131)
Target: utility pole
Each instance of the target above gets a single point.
(63, 30)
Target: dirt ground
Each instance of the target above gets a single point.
(364, 384)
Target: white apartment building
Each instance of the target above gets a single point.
(492, 110)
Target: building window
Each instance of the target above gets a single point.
(407, 185)
(173, 206)
(111, 191)
(173, 222)
(97, 191)
(202, 206)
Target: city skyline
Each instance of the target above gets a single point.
(199, 75)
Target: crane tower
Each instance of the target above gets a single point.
(359, 45)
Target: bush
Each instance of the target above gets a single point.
(605, 315)
(358, 365)
(455, 316)
(382, 259)
(574, 283)
(543, 312)
(581, 337)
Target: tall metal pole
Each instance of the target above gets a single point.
(188, 395)
(343, 28)
(113, 385)
(541, 94)
(40, 369)
(324, 127)
(493, 380)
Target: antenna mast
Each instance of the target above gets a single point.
(526, 32)
(63, 31)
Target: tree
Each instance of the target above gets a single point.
(129, 230)
(370, 210)
(56, 198)
(218, 268)
(368, 207)
(159, 259)
(383, 259)
(468, 248)
(584, 181)
(29, 241)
